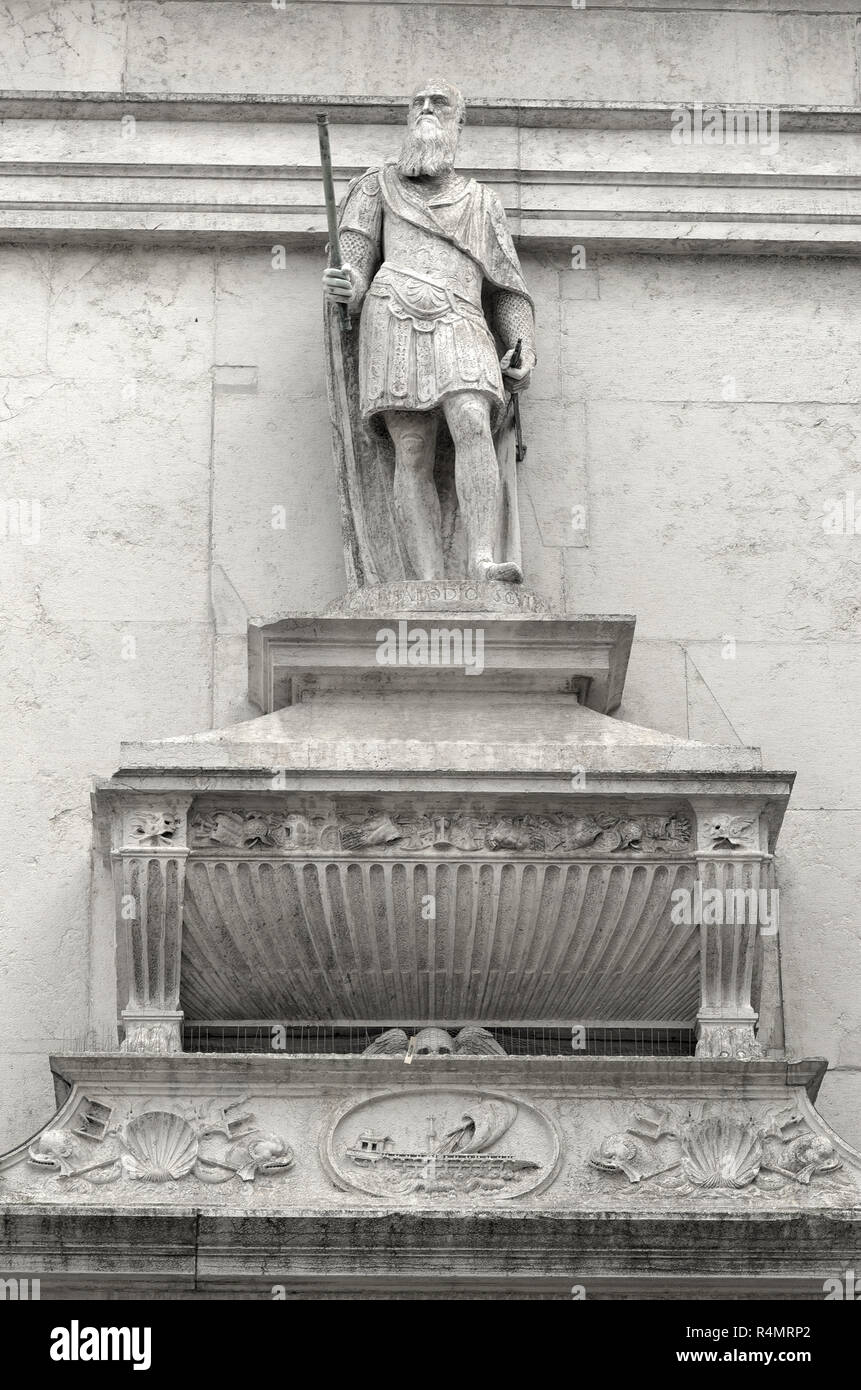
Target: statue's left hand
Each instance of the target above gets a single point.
(517, 378)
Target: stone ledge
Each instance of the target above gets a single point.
(194, 1252)
(690, 1077)
(354, 109)
(209, 169)
(286, 744)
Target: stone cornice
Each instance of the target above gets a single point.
(689, 1077)
(218, 169)
(383, 110)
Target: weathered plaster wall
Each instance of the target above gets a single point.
(160, 402)
(763, 50)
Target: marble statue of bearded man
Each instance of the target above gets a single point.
(420, 383)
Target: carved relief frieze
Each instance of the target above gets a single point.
(163, 1141)
(716, 1150)
(602, 832)
(425, 1140)
(264, 831)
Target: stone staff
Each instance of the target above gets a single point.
(331, 207)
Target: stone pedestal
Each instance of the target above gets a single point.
(437, 655)
(435, 821)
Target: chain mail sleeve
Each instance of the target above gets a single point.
(359, 226)
(514, 318)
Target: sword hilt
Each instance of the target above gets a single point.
(520, 447)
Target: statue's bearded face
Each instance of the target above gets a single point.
(434, 123)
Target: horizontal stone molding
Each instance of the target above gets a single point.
(354, 109)
(189, 1251)
(212, 168)
(647, 1077)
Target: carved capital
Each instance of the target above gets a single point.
(729, 828)
(156, 1032)
(720, 1038)
(153, 826)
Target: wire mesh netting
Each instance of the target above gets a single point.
(327, 1039)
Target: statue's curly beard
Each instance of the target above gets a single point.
(427, 154)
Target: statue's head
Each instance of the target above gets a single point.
(435, 119)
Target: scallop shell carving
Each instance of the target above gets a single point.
(160, 1146)
(721, 1152)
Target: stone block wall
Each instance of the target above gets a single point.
(163, 401)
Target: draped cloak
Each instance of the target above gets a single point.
(474, 222)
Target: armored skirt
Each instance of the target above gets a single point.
(420, 342)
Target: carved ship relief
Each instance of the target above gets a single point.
(455, 1162)
(482, 1153)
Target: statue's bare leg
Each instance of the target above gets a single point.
(476, 473)
(417, 506)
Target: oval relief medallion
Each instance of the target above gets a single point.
(442, 1143)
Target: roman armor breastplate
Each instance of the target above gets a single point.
(427, 269)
